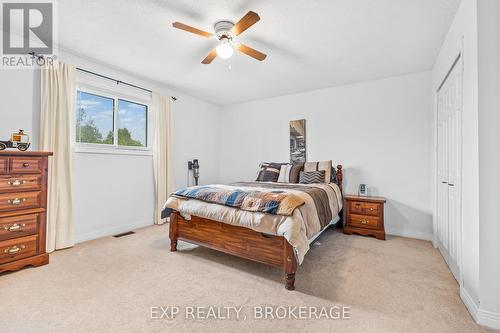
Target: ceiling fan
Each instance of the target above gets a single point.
(225, 32)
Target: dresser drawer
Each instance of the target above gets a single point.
(363, 221)
(20, 183)
(19, 200)
(18, 248)
(18, 226)
(364, 208)
(4, 163)
(25, 165)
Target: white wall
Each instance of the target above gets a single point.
(19, 102)
(196, 135)
(489, 157)
(380, 131)
(115, 193)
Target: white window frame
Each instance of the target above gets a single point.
(115, 94)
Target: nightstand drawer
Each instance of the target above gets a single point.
(363, 221)
(364, 208)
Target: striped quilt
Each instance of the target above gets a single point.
(275, 202)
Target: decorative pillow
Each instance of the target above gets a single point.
(312, 177)
(268, 172)
(295, 172)
(284, 176)
(318, 166)
(289, 173)
(333, 178)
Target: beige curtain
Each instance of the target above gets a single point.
(162, 152)
(56, 135)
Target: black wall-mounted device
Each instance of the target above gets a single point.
(195, 166)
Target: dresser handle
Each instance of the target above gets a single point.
(25, 165)
(14, 249)
(16, 183)
(15, 227)
(364, 222)
(16, 201)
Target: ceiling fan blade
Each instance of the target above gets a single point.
(188, 28)
(211, 56)
(252, 52)
(246, 22)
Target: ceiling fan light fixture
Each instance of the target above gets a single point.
(224, 50)
(225, 32)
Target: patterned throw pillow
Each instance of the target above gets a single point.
(269, 172)
(324, 165)
(312, 177)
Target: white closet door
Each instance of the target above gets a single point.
(442, 197)
(449, 168)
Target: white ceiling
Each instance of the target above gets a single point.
(310, 44)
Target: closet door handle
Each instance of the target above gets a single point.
(444, 182)
(451, 184)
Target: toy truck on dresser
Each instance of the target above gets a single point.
(19, 140)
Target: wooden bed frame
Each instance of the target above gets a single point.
(239, 241)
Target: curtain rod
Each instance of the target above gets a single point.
(33, 54)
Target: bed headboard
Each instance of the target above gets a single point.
(339, 177)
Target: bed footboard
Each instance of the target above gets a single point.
(238, 241)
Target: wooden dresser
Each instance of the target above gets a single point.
(23, 204)
(364, 215)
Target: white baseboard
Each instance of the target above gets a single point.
(409, 234)
(481, 316)
(112, 231)
(434, 241)
(489, 319)
(470, 304)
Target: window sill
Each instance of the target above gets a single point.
(112, 150)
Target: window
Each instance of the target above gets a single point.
(94, 118)
(104, 120)
(132, 124)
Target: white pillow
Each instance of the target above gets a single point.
(284, 176)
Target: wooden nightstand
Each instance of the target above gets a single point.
(364, 215)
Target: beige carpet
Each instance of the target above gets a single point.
(110, 285)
